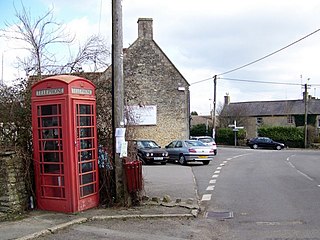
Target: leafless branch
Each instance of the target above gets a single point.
(36, 36)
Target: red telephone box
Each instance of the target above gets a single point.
(65, 144)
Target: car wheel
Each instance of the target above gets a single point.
(182, 160)
(215, 152)
(163, 163)
(255, 146)
(205, 162)
(278, 147)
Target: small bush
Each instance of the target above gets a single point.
(226, 136)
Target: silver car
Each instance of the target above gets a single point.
(185, 151)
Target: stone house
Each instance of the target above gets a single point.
(252, 115)
(157, 96)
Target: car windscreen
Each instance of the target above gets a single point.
(194, 143)
(148, 144)
(206, 140)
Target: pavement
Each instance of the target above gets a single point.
(169, 192)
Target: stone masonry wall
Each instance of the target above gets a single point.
(13, 195)
(153, 80)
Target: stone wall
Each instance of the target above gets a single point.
(13, 194)
(150, 78)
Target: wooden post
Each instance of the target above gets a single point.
(117, 95)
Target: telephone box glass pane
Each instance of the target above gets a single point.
(85, 109)
(86, 190)
(49, 110)
(52, 157)
(86, 143)
(85, 121)
(85, 132)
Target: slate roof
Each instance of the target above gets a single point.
(271, 108)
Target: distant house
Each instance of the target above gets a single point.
(203, 119)
(157, 95)
(252, 115)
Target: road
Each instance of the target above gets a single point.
(263, 194)
(246, 194)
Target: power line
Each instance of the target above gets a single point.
(266, 82)
(250, 63)
(204, 80)
(256, 81)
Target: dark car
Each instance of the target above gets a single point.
(184, 151)
(264, 142)
(150, 152)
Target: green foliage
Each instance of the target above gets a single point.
(291, 136)
(194, 113)
(200, 130)
(15, 118)
(226, 136)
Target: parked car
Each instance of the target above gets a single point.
(207, 140)
(185, 151)
(150, 152)
(264, 142)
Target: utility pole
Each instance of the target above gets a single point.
(117, 95)
(214, 121)
(305, 115)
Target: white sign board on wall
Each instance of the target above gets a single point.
(145, 115)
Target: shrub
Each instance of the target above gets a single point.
(226, 136)
(291, 136)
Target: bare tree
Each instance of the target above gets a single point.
(93, 52)
(36, 36)
(229, 113)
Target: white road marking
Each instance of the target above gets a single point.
(215, 176)
(214, 181)
(294, 167)
(222, 164)
(210, 188)
(225, 161)
(240, 155)
(219, 168)
(229, 159)
(216, 172)
(206, 197)
(305, 175)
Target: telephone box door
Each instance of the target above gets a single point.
(86, 152)
(50, 154)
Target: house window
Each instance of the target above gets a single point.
(290, 119)
(259, 120)
(318, 122)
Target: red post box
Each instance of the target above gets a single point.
(65, 144)
(133, 170)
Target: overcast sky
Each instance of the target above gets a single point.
(204, 38)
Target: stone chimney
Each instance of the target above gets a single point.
(145, 29)
(226, 100)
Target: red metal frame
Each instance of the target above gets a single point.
(65, 144)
